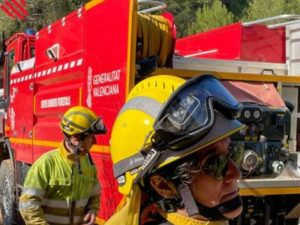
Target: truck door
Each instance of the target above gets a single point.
(20, 107)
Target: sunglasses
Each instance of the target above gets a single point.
(217, 165)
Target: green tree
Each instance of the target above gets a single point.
(8, 26)
(213, 14)
(184, 12)
(190, 16)
(39, 15)
(293, 6)
(259, 9)
(187, 12)
(236, 7)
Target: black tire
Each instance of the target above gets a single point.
(8, 198)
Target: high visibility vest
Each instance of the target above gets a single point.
(59, 189)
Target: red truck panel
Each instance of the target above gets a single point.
(106, 81)
(236, 42)
(20, 114)
(67, 32)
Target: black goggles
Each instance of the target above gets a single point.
(189, 114)
(217, 165)
(96, 127)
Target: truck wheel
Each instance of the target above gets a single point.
(7, 193)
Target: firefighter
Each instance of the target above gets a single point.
(62, 187)
(171, 153)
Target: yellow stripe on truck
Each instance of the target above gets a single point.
(269, 191)
(104, 149)
(92, 4)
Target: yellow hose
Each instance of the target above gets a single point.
(156, 35)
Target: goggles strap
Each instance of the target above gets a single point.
(216, 213)
(148, 164)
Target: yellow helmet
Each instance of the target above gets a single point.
(166, 118)
(81, 120)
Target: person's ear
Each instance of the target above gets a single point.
(74, 139)
(163, 187)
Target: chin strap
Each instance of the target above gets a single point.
(76, 150)
(214, 213)
(188, 200)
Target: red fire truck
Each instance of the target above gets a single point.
(93, 57)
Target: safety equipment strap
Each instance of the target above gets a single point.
(178, 219)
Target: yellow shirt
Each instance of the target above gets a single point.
(57, 190)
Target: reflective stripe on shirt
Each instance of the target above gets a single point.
(63, 203)
(33, 192)
(29, 204)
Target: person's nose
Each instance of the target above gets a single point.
(232, 173)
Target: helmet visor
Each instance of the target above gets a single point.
(189, 113)
(97, 127)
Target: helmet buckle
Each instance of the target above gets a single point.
(166, 205)
(148, 164)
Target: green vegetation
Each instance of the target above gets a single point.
(201, 15)
(191, 16)
(40, 14)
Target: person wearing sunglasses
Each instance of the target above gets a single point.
(62, 187)
(171, 153)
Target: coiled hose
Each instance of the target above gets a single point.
(154, 38)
